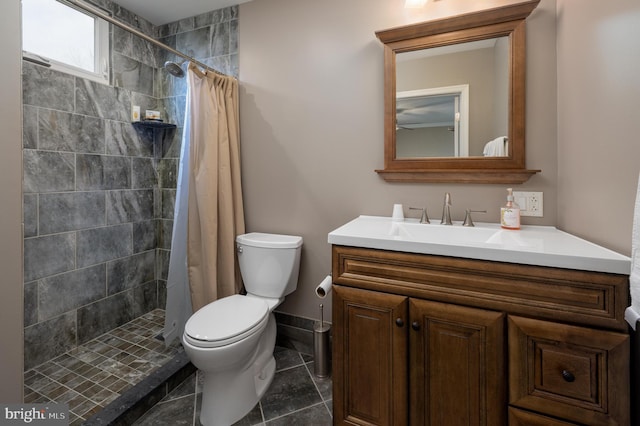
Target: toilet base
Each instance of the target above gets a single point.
(229, 396)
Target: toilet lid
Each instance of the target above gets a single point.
(226, 320)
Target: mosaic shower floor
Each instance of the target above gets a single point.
(91, 376)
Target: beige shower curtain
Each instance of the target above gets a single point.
(216, 213)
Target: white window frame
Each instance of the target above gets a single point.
(101, 53)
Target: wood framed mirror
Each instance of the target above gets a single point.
(494, 151)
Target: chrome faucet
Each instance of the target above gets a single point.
(446, 210)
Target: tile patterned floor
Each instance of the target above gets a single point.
(97, 372)
(295, 397)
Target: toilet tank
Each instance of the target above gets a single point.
(269, 263)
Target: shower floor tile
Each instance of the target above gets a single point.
(92, 375)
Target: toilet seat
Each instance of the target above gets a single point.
(225, 321)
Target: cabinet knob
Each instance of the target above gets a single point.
(415, 325)
(399, 322)
(568, 376)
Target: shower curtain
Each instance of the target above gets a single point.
(209, 212)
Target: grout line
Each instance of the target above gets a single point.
(296, 411)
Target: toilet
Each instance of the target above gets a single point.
(232, 339)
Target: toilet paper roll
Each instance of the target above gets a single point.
(325, 287)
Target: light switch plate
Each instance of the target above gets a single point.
(530, 203)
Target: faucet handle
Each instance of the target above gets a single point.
(424, 218)
(467, 217)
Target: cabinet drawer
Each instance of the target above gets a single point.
(570, 372)
(525, 418)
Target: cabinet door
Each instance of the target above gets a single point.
(369, 357)
(573, 373)
(458, 373)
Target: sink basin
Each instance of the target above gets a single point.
(532, 245)
(444, 234)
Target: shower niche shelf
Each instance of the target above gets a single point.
(155, 125)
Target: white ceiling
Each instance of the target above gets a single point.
(160, 12)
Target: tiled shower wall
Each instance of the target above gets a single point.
(98, 196)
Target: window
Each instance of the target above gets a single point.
(69, 39)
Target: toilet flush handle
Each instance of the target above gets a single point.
(239, 249)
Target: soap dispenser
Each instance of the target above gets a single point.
(510, 213)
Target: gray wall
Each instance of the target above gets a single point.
(11, 206)
(598, 125)
(311, 76)
(98, 195)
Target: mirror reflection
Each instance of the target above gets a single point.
(453, 101)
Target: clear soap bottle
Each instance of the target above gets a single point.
(510, 213)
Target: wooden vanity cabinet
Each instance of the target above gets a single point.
(432, 340)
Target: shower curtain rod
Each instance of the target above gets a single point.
(140, 34)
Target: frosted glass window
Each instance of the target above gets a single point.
(70, 39)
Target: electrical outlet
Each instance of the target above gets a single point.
(530, 203)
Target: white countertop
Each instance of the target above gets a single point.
(530, 245)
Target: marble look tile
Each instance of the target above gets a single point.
(47, 88)
(62, 131)
(30, 215)
(165, 232)
(145, 298)
(70, 211)
(174, 412)
(170, 85)
(144, 173)
(144, 235)
(219, 40)
(68, 291)
(167, 173)
(146, 102)
(104, 315)
(233, 36)
(317, 415)
(30, 303)
(254, 417)
(174, 107)
(29, 127)
(46, 340)
(168, 203)
(123, 139)
(122, 41)
(286, 358)
(103, 244)
(126, 273)
(220, 63)
(171, 144)
(277, 400)
(324, 385)
(100, 100)
(144, 51)
(102, 172)
(294, 321)
(162, 264)
(187, 387)
(132, 75)
(45, 171)
(234, 68)
(48, 255)
(129, 206)
(195, 43)
(232, 12)
(184, 25)
(209, 18)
